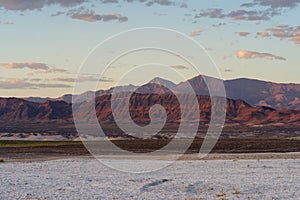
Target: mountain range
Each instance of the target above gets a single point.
(249, 103)
(255, 92)
(238, 111)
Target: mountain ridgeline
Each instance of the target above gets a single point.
(238, 112)
(255, 92)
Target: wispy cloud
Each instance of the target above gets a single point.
(241, 14)
(51, 85)
(40, 68)
(109, 1)
(228, 70)
(196, 32)
(158, 2)
(24, 84)
(263, 34)
(68, 80)
(244, 54)
(284, 32)
(55, 70)
(29, 65)
(273, 3)
(83, 78)
(244, 33)
(252, 15)
(212, 13)
(90, 15)
(219, 24)
(58, 13)
(296, 39)
(178, 67)
(22, 5)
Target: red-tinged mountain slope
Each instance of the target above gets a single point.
(13, 109)
(237, 111)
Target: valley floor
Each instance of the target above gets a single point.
(83, 178)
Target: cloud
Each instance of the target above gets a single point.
(244, 33)
(109, 1)
(69, 80)
(51, 85)
(219, 24)
(37, 67)
(244, 54)
(53, 70)
(40, 68)
(279, 3)
(212, 13)
(283, 32)
(296, 39)
(14, 84)
(67, 3)
(106, 80)
(110, 17)
(91, 16)
(263, 34)
(273, 3)
(140, 1)
(22, 5)
(29, 65)
(58, 13)
(159, 2)
(24, 84)
(196, 32)
(83, 78)
(36, 79)
(228, 70)
(178, 67)
(272, 8)
(248, 15)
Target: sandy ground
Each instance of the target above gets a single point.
(212, 156)
(83, 178)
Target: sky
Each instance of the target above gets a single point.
(44, 43)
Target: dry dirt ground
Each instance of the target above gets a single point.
(238, 148)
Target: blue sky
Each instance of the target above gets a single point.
(43, 43)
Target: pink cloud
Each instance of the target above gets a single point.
(244, 54)
(196, 32)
